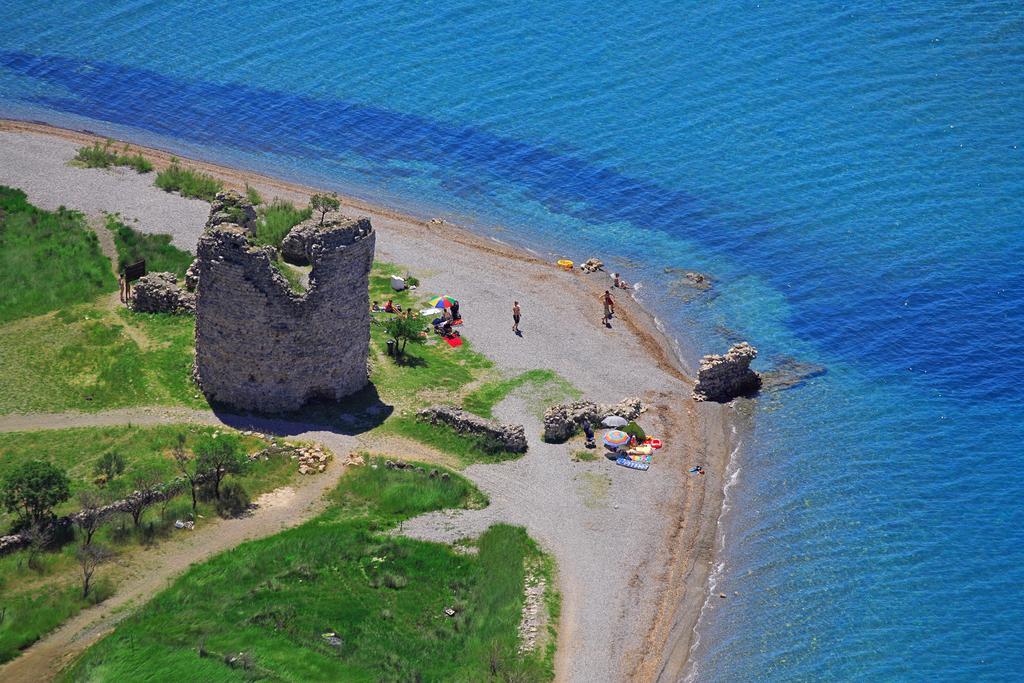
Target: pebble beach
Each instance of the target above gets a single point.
(633, 548)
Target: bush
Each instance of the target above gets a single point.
(635, 430)
(234, 500)
(101, 157)
(187, 182)
(276, 220)
(253, 195)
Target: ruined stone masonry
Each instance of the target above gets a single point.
(261, 346)
(723, 378)
(563, 420)
(498, 435)
(160, 293)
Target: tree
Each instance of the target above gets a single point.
(89, 520)
(109, 466)
(322, 203)
(218, 456)
(188, 465)
(139, 499)
(90, 557)
(402, 330)
(40, 536)
(33, 490)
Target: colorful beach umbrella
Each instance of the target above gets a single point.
(616, 438)
(442, 302)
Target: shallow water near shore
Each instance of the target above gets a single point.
(851, 178)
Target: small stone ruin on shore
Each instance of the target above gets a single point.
(262, 346)
(563, 420)
(723, 378)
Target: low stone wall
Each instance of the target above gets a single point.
(723, 378)
(497, 435)
(562, 420)
(160, 293)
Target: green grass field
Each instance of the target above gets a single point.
(540, 387)
(157, 250)
(48, 259)
(83, 358)
(188, 182)
(269, 603)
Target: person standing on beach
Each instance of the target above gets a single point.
(609, 308)
(516, 313)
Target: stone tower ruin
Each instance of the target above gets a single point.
(262, 346)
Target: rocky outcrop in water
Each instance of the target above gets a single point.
(723, 378)
(160, 293)
(562, 420)
(497, 436)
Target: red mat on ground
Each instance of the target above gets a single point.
(454, 341)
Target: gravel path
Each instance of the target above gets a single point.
(633, 548)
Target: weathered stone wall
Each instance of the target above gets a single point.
(563, 420)
(498, 435)
(723, 378)
(160, 293)
(259, 345)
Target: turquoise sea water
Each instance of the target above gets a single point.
(850, 175)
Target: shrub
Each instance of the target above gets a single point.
(412, 281)
(109, 466)
(635, 430)
(253, 195)
(187, 182)
(101, 157)
(277, 220)
(233, 501)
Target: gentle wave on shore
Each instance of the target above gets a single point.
(851, 177)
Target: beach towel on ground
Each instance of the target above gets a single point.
(453, 341)
(626, 462)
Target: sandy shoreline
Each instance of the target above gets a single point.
(668, 575)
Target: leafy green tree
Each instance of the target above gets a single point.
(218, 456)
(404, 330)
(33, 490)
(109, 466)
(322, 203)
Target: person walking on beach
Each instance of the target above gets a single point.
(609, 308)
(516, 313)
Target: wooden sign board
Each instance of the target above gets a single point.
(134, 271)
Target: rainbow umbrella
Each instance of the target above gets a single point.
(442, 302)
(616, 439)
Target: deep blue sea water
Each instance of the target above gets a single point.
(852, 176)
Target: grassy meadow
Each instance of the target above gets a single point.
(157, 250)
(270, 604)
(48, 259)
